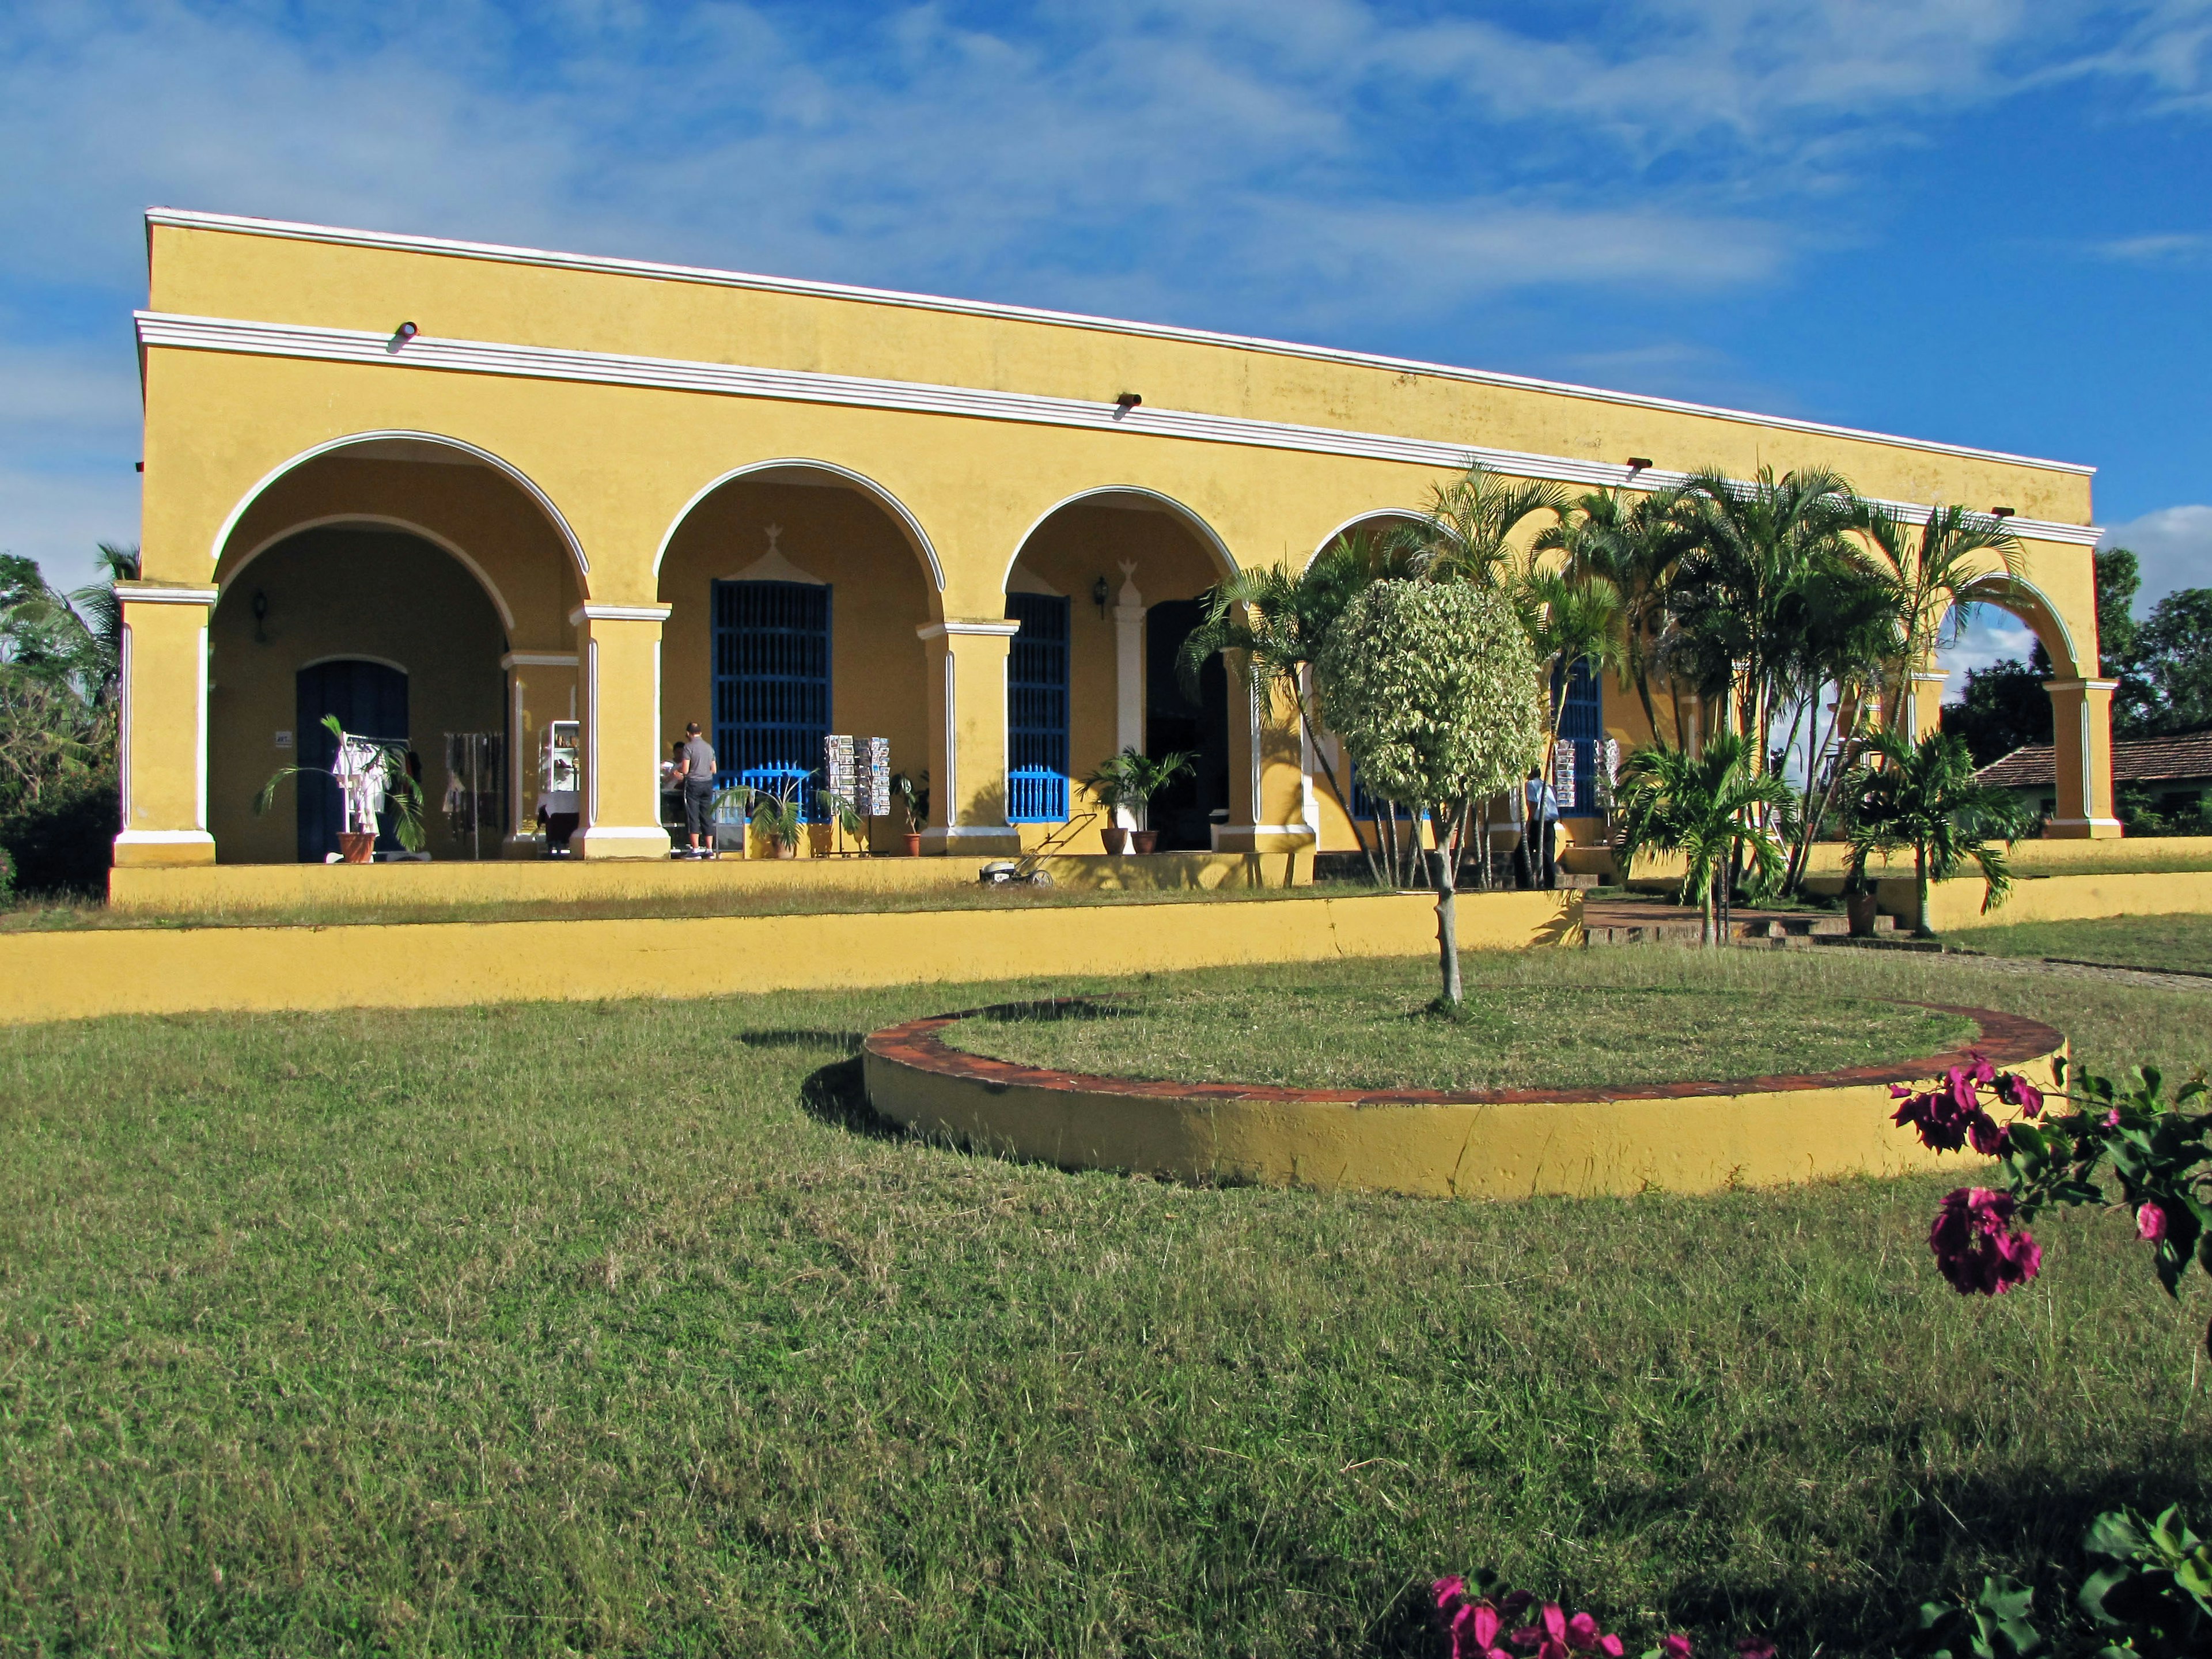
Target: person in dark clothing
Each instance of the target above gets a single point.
(695, 777)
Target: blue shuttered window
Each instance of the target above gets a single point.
(1037, 710)
(771, 682)
(1581, 722)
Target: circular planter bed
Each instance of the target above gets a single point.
(1478, 1143)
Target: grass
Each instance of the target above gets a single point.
(624, 1328)
(50, 912)
(1300, 1034)
(2183, 941)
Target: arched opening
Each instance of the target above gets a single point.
(1107, 585)
(420, 553)
(2012, 686)
(1368, 525)
(796, 590)
(379, 628)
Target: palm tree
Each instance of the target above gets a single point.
(1742, 585)
(1923, 795)
(1467, 535)
(1636, 542)
(1933, 575)
(1278, 620)
(1709, 807)
(1848, 632)
(1571, 617)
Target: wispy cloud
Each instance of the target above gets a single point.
(2172, 546)
(2172, 248)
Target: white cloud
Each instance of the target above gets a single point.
(2164, 248)
(2173, 546)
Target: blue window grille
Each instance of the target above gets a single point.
(771, 684)
(1037, 710)
(1581, 722)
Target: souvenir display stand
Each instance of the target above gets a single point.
(560, 784)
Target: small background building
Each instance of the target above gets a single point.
(2163, 784)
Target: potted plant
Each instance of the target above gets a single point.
(913, 792)
(371, 774)
(774, 814)
(1131, 780)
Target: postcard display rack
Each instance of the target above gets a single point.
(560, 784)
(858, 771)
(476, 788)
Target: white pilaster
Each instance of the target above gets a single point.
(1128, 675)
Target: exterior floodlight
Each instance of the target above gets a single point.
(405, 332)
(1639, 463)
(1128, 401)
(2000, 513)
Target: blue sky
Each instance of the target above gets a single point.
(1969, 220)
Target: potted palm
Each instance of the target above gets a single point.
(1923, 795)
(834, 814)
(776, 815)
(1131, 780)
(913, 792)
(371, 775)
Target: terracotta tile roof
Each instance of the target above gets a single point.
(2134, 760)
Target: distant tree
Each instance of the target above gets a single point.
(2173, 657)
(2004, 707)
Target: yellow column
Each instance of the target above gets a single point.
(1924, 703)
(163, 729)
(2082, 729)
(541, 687)
(1271, 803)
(619, 653)
(967, 697)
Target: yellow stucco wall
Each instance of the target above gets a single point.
(74, 975)
(1497, 1150)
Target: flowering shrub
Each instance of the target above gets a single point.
(2155, 1152)
(1479, 1622)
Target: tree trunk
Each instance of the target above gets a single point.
(1448, 926)
(1922, 928)
(1328, 772)
(1705, 934)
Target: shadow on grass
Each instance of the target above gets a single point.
(1052, 1010)
(840, 1042)
(837, 1095)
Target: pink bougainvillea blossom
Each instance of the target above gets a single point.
(1976, 1246)
(2015, 1090)
(1755, 1647)
(1676, 1646)
(2151, 1223)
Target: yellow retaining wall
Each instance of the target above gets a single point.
(244, 889)
(1956, 906)
(1825, 871)
(1510, 1149)
(71, 975)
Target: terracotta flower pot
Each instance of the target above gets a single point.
(787, 849)
(912, 844)
(356, 846)
(1117, 839)
(1144, 840)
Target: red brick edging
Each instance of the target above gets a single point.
(2004, 1040)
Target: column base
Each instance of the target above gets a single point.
(1262, 837)
(614, 841)
(164, 847)
(2081, 829)
(972, 840)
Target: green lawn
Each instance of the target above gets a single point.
(1513, 1031)
(622, 1328)
(2182, 941)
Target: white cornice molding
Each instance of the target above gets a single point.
(157, 594)
(1005, 631)
(2080, 685)
(538, 659)
(284, 230)
(159, 329)
(584, 613)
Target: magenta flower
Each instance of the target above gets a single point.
(1976, 1247)
(1675, 1647)
(1947, 1114)
(2015, 1090)
(1755, 1647)
(1450, 1592)
(2151, 1223)
(2112, 1118)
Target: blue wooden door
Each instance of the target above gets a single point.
(772, 681)
(1037, 710)
(370, 700)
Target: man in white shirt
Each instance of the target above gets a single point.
(1540, 830)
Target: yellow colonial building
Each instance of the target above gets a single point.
(446, 489)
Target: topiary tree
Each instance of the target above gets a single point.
(1436, 693)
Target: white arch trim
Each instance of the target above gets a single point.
(1999, 586)
(1412, 513)
(1204, 530)
(506, 469)
(381, 521)
(353, 656)
(867, 486)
